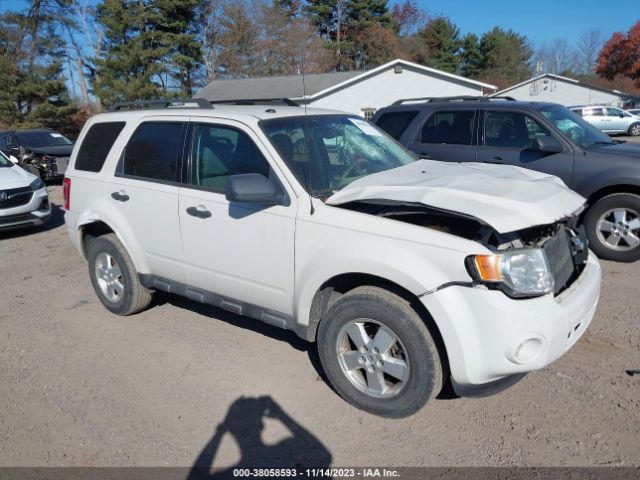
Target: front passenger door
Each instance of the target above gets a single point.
(508, 138)
(243, 252)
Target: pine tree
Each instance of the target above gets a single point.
(441, 37)
(505, 57)
(32, 87)
(150, 49)
(470, 56)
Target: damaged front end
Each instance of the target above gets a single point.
(563, 245)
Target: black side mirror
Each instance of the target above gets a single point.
(547, 144)
(622, 115)
(252, 188)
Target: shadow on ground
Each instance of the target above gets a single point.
(245, 422)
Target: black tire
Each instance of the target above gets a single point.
(425, 373)
(634, 129)
(134, 297)
(597, 241)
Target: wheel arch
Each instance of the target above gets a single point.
(338, 285)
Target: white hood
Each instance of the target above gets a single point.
(14, 177)
(507, 198)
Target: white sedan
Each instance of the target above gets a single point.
(24, 200)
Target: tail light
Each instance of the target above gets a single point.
(66, 192)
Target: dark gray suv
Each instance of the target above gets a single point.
(540, 136)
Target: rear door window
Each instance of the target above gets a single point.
(593, 112)
(449, 127)
(96, 145)
(395, 123)
(154, 151)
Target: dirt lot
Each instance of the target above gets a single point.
(79, 386)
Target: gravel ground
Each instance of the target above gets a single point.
(81, 387)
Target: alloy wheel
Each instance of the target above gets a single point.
(109, 277)
(373, 358)
(619, 229)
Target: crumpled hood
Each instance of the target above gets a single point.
(507, 198)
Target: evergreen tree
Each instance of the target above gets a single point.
(441, 38)
(32, 87)
(505, 57)
(470, 56)
(150, 49)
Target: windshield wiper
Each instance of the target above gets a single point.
(602, 143)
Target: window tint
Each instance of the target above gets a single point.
(455, 128)
(154, 151)
(592, 112)
(395, 123)
(614, 112)
(511, 129)
(96, 145)
(219, 152)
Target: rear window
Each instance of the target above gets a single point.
(154, 151)
(395, 123)
(453, 128)
(96, 145)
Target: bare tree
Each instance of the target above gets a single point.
(556, 56)
(589, 45)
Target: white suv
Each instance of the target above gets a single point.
(407, 273)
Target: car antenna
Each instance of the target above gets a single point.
(304, 103)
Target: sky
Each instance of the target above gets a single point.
(539, 20)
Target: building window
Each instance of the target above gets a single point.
(368, 112)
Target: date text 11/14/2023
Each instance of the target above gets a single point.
(316, 472)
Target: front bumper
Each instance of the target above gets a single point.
(32, 214)
(489, 336)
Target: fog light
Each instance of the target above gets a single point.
(528, 350)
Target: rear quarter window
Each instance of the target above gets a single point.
(154, 151)
(395, 123)
(96, 145)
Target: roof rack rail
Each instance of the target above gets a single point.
(258, 101)
(161, 103)
(458, 98)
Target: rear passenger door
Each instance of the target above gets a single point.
(507, 137)
(142, 196)
(449, 135)
(244, 252)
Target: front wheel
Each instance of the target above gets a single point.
(114, 277)
(613, 227)
(634, 130)
(378, 353)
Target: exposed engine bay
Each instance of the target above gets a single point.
(564, 242)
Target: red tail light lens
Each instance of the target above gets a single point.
(66, 192)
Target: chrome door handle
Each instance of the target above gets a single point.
(199, 212)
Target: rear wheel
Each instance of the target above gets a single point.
(378, 353)
(114, 277)
(613, 227)
(634, 130)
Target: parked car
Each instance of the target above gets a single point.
(43, 152)
(404, 272)
(545, 137)
(611, 120)
(24, 201)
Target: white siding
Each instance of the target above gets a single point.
(386, 87)
(564, 93)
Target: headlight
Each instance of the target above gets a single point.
(520, 273)
(37, 184)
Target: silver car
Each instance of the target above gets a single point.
(611, 120)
